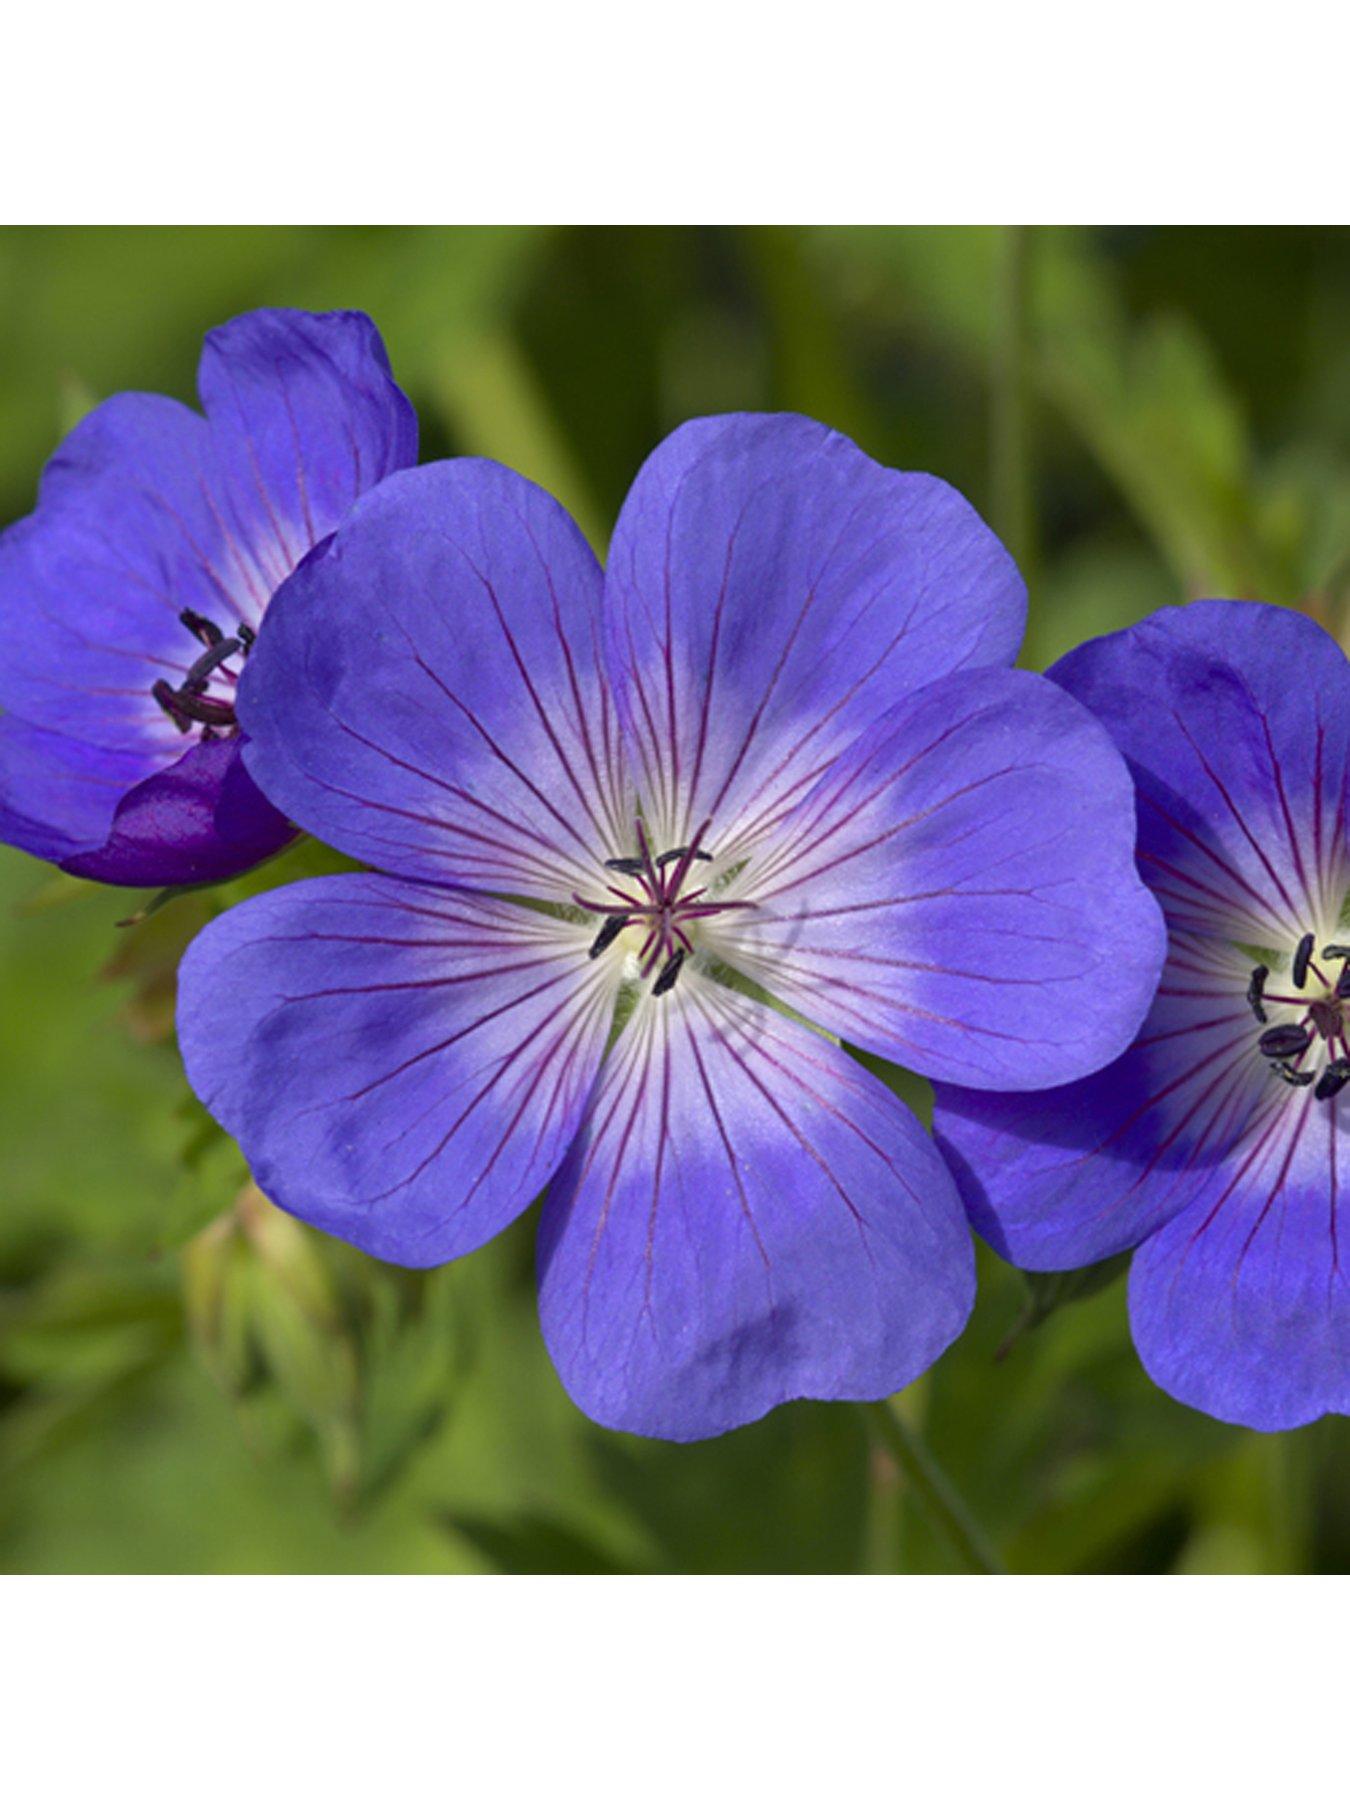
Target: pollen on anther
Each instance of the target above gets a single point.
(205, 630)
(1295, 1077)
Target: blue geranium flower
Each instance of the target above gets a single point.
(132, 597)
(774, 750)
(1213, 1144)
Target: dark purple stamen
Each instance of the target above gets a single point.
(207, 664)
(187, 708)
(1255, 989)
(670, 856)
(205, 630)
(657, 899)
(607, 934)
(1302, 957)
(1323, 1019)
(189, 704)
(666, 980)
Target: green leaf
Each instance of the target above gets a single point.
(534, 1545)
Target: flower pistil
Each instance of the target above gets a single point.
(661, 905)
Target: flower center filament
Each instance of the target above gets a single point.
(654, 897)
(1314, 1022)
(192, 702)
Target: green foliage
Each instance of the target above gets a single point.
(189, 1380)
(296, 1330)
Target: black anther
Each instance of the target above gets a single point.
(607, 934)
(1343, 983)
(168, 699)
(1302, 957)
(1283, 1040)
(1335, 952)
(247, 636)
(670, 856)
(189, 704)
(205, 630)
(182, 705)
(1256, 987)
(625, 865)
(666, 980)
(207, 664)
(1334, 1078)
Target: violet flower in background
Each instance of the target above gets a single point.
(132, 598)
(774, 751)
(1214, 1143)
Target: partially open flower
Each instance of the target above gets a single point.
(132, 598)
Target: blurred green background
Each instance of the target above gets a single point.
(191, 1382)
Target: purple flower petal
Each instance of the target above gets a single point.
(1066, 1177)
(201, 819)
(126, 536)
(1241, 1305)
(427, 697)
(305, 417)
(749, 1217)
(402, 1067)
(1235, 719)
(126, 818)
(959, 893)
(58, 795)
(774, 590)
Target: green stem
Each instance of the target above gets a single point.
(1010, 413)
(883, 1541)
(933, 1490)
(1288, 1465)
